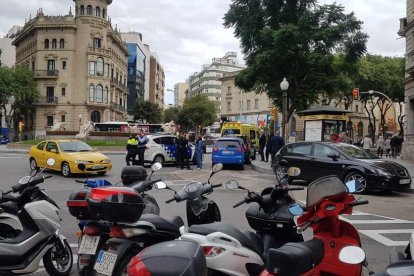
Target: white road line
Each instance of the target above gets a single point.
(8, 157)
(376, 221)
(379, 237)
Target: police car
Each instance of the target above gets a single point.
(162, 148)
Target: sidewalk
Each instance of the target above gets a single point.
(264, 167)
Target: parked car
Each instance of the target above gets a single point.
(229, 151)
(317, 159)
(68, 154)
(4, 140)
(162, 148)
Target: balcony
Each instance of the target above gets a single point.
(118, 107)
(47, 101)
(118, 84)
(46, 74)
(99, 50)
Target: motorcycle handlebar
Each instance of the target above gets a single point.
(239, 203)
(359, 202)
(80, 181)
(216, 185)
(170, 200)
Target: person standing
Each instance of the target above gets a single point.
(132, 150)
(345, 138)
(142, 142)
(276, 143)
(367, 143)
(388, 147)
(380, 146)
(186, 160)
(262, 144)
(199, 152)
(400, 141)
(394, 145)
(267, 146)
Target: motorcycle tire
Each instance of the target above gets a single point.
(50, 257)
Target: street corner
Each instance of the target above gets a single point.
(262, 167)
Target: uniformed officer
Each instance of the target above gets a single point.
(132, 150)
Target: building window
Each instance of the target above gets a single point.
(228, 106)
(49, 120)
(50, 94)
(99, 93)
(256, 103)
(51, 66)
(91, 93)
(63, 118)
(106, 70)
(98, 12)
(62, 44)
(248, 105)
(33, 65)
(91, 68)
(103, 13)
(82, 10)
(97, 42)
(95, 116)
(105, 95)
(64, 64)
(54, 44)
(63, 91)
(228, 90)
(46, 43)
(89, 10)
(100, 66)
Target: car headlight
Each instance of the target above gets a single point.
(106, 161)
(381, 172)
(81, 162)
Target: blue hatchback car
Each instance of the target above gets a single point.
(229, 151)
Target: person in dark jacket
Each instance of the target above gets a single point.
(132, 150)
(268, 146)
(276, 143)
(395, 141)
(142, 142)
(262, 144)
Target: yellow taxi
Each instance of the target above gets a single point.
(68, 154)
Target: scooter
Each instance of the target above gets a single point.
(39, 239)
(336, 246)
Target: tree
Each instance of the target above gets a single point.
(197, 112)
(296, 39)
(148, 112)
(171, 114)
(5, 89)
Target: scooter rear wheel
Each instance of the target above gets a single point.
(58, 260)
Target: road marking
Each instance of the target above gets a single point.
(8, 157)
(379, 237)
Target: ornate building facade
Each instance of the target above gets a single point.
(80, 64)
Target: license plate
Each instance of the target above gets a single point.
(105, 263)
(97, 167)
(227, 152)
(88, 245)
(405, 181)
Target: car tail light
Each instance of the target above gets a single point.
(215, 149)
(117, 232)
(136, 267)
(212, 251)
(91, 230)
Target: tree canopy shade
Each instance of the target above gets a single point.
(171, 114)
(197, 111)
(148, 112)
(296, 39)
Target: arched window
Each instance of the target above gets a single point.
(46, 43)
(89, 10)
(98, 12)
(99, 93)
(360, 131)
(105, 95)
(96, 116)
(54, 44)
(82, 10)
(100, 66)
(103, 13)
(91, 93)
(92, 68)
(62, 44)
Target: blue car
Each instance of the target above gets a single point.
(229, 151)
(4, 140)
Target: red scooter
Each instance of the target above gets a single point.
(336, 246)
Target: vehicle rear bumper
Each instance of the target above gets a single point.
(239, 160)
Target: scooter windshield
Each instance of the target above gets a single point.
(322, 188)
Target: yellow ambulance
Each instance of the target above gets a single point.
(250, 131)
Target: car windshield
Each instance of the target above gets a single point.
(356, 152)
(226, 144)
(231, 131)
(322, 188)
(74, 146)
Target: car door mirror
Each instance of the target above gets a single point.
(24, 179)
(156, 166)
(334, 156)
(231, 185)
(295, 210)
(353, 185)
(160, 185)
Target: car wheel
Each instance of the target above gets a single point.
(357, 176)
(280, 172)
(65, 169)
(33, 164)
(159, 159)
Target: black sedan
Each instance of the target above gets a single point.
(317, 159)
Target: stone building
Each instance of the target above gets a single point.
(80, 64)
(157, 81)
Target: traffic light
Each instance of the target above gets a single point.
(355, 94)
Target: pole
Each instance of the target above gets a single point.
(241, 104)
(284, 115)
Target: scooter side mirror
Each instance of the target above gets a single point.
(352, 255)
(51, 161)
(81, 167)
(293, 171)
(24, 179)
(160, 185)
(231, 185)
(156, 166)
(295, 210)
(353, 185)
(217, 167)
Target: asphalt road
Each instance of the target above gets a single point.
(383, 224)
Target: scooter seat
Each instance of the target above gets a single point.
(9, 207)
(293, 259)
(169, 223)
(254, 244)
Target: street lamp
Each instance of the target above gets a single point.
(284, 85)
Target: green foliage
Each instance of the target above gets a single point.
(148, 112)
(197, 111)
(171, 114)
(296, 39)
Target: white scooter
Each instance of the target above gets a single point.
(38, 237)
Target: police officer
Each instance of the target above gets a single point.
(142, 141)
(132, 150)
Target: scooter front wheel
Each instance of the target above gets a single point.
(58, 260)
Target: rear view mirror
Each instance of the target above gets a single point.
(24, 179)
(51, 161)
(81, 167)
(352, 255)
(231, 185)
(156, 166)
(353, 185)
(217, 167)
(295, 210)
(160, 185)
(293, 171)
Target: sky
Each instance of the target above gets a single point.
(185, 34)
